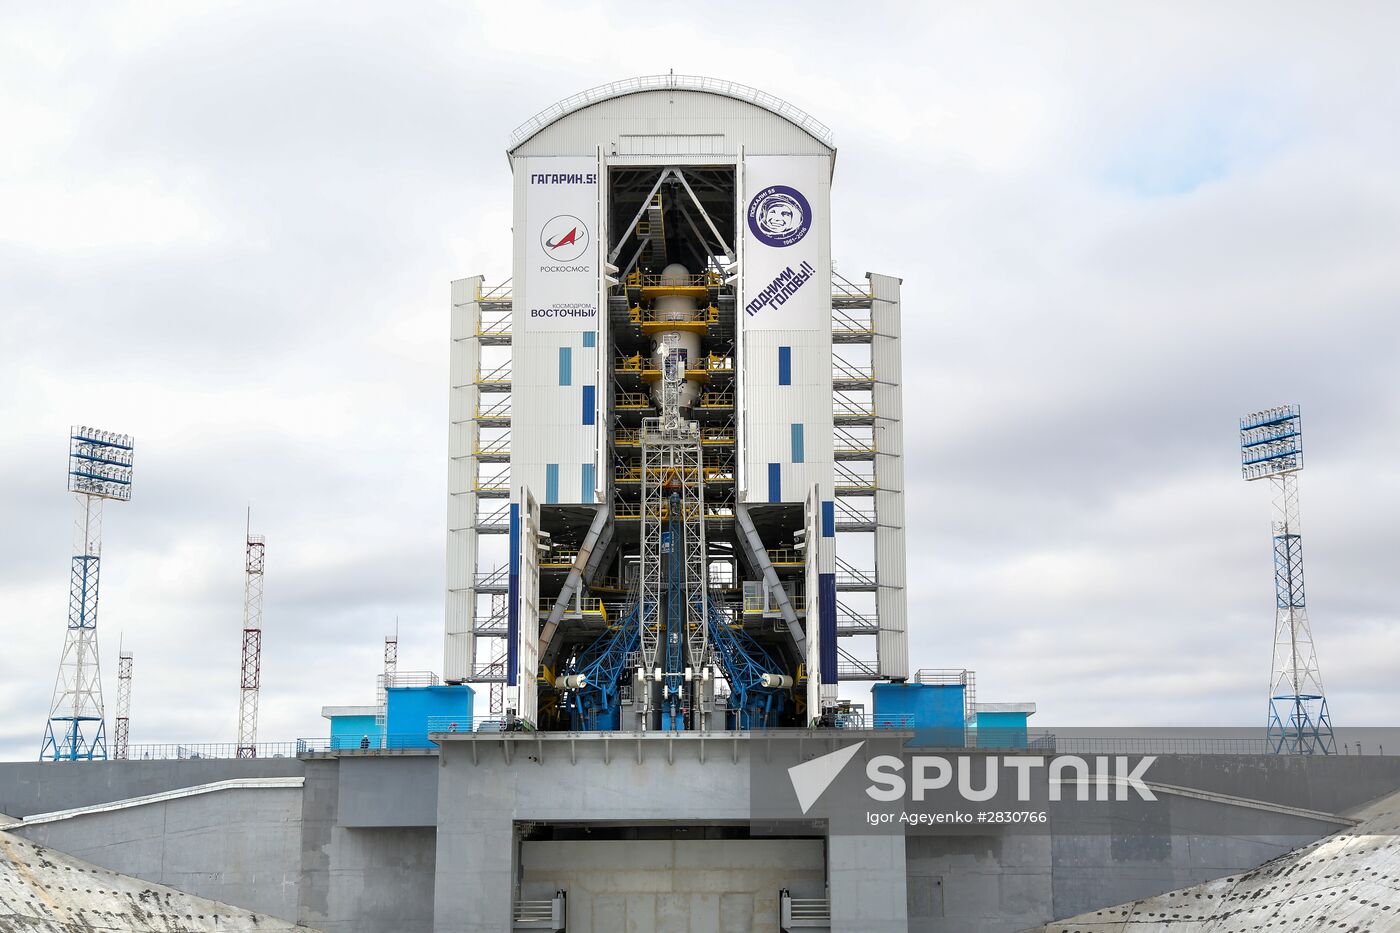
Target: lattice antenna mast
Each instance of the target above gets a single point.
(123, 703)
(251, 676)
(1299, 723)
(391, 655)
(391, 669)
(99, 468)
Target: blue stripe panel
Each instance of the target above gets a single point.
(799, 449)
(590, 405)
(566, 366)
(775, 482)
(513, 598)
(551, 483)
(590, 339)
(826, 613)
(828, 519)
(785, 366)
(586, 494)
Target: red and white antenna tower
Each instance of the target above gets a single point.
(251, 676)
(123, 703)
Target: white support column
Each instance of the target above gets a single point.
(459, 642)
(527, 705)
(891, 598)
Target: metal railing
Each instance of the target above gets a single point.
(705, 280)
(583, 605)
(851, 408)
(479, 722)
(639, 315)
(550, 914)
(559, 557)
(498, 378)
(799, 913)
(494, 293)
(846, 292)
(497, 577)
(843, 371)
(723, 399)
(180, 751)
(848, 575)
(760, 603)
(169, 751)
(851, 324)
(851, 516)
(1043, 741)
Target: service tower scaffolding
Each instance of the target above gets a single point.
(668, 495)
(673, 498)
(99, 468)
(250, 676)
(1299, 724)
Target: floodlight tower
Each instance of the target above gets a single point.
(99, 468)
(123, 703)
(251, 677)
(1299, 724)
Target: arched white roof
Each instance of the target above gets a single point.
(672, 82)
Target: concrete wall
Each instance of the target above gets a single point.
(676, 885)
(385, 792)
(242, 847)
(368, 844)
(31, 787)
(978, 884)
(43, 890)
(425, 843)
(381, 879)
(555, 780)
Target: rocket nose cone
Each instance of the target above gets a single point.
(675, 274)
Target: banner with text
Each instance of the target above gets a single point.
(784, 202)
(560, 245)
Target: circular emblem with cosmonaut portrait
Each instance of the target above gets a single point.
(779, 215)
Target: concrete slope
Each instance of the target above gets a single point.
(45, 891)
(1347, 881)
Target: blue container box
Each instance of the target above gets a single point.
(936, 712)
(406, 722)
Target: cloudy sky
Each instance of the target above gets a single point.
(228, 229)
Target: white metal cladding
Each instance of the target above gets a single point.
(670, 84)
(770, 409)
(550, 441)
(461, 480)
(672, 144)
(819, 561)
(892, 595)
(608, 122)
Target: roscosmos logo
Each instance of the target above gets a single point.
(564, 238)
